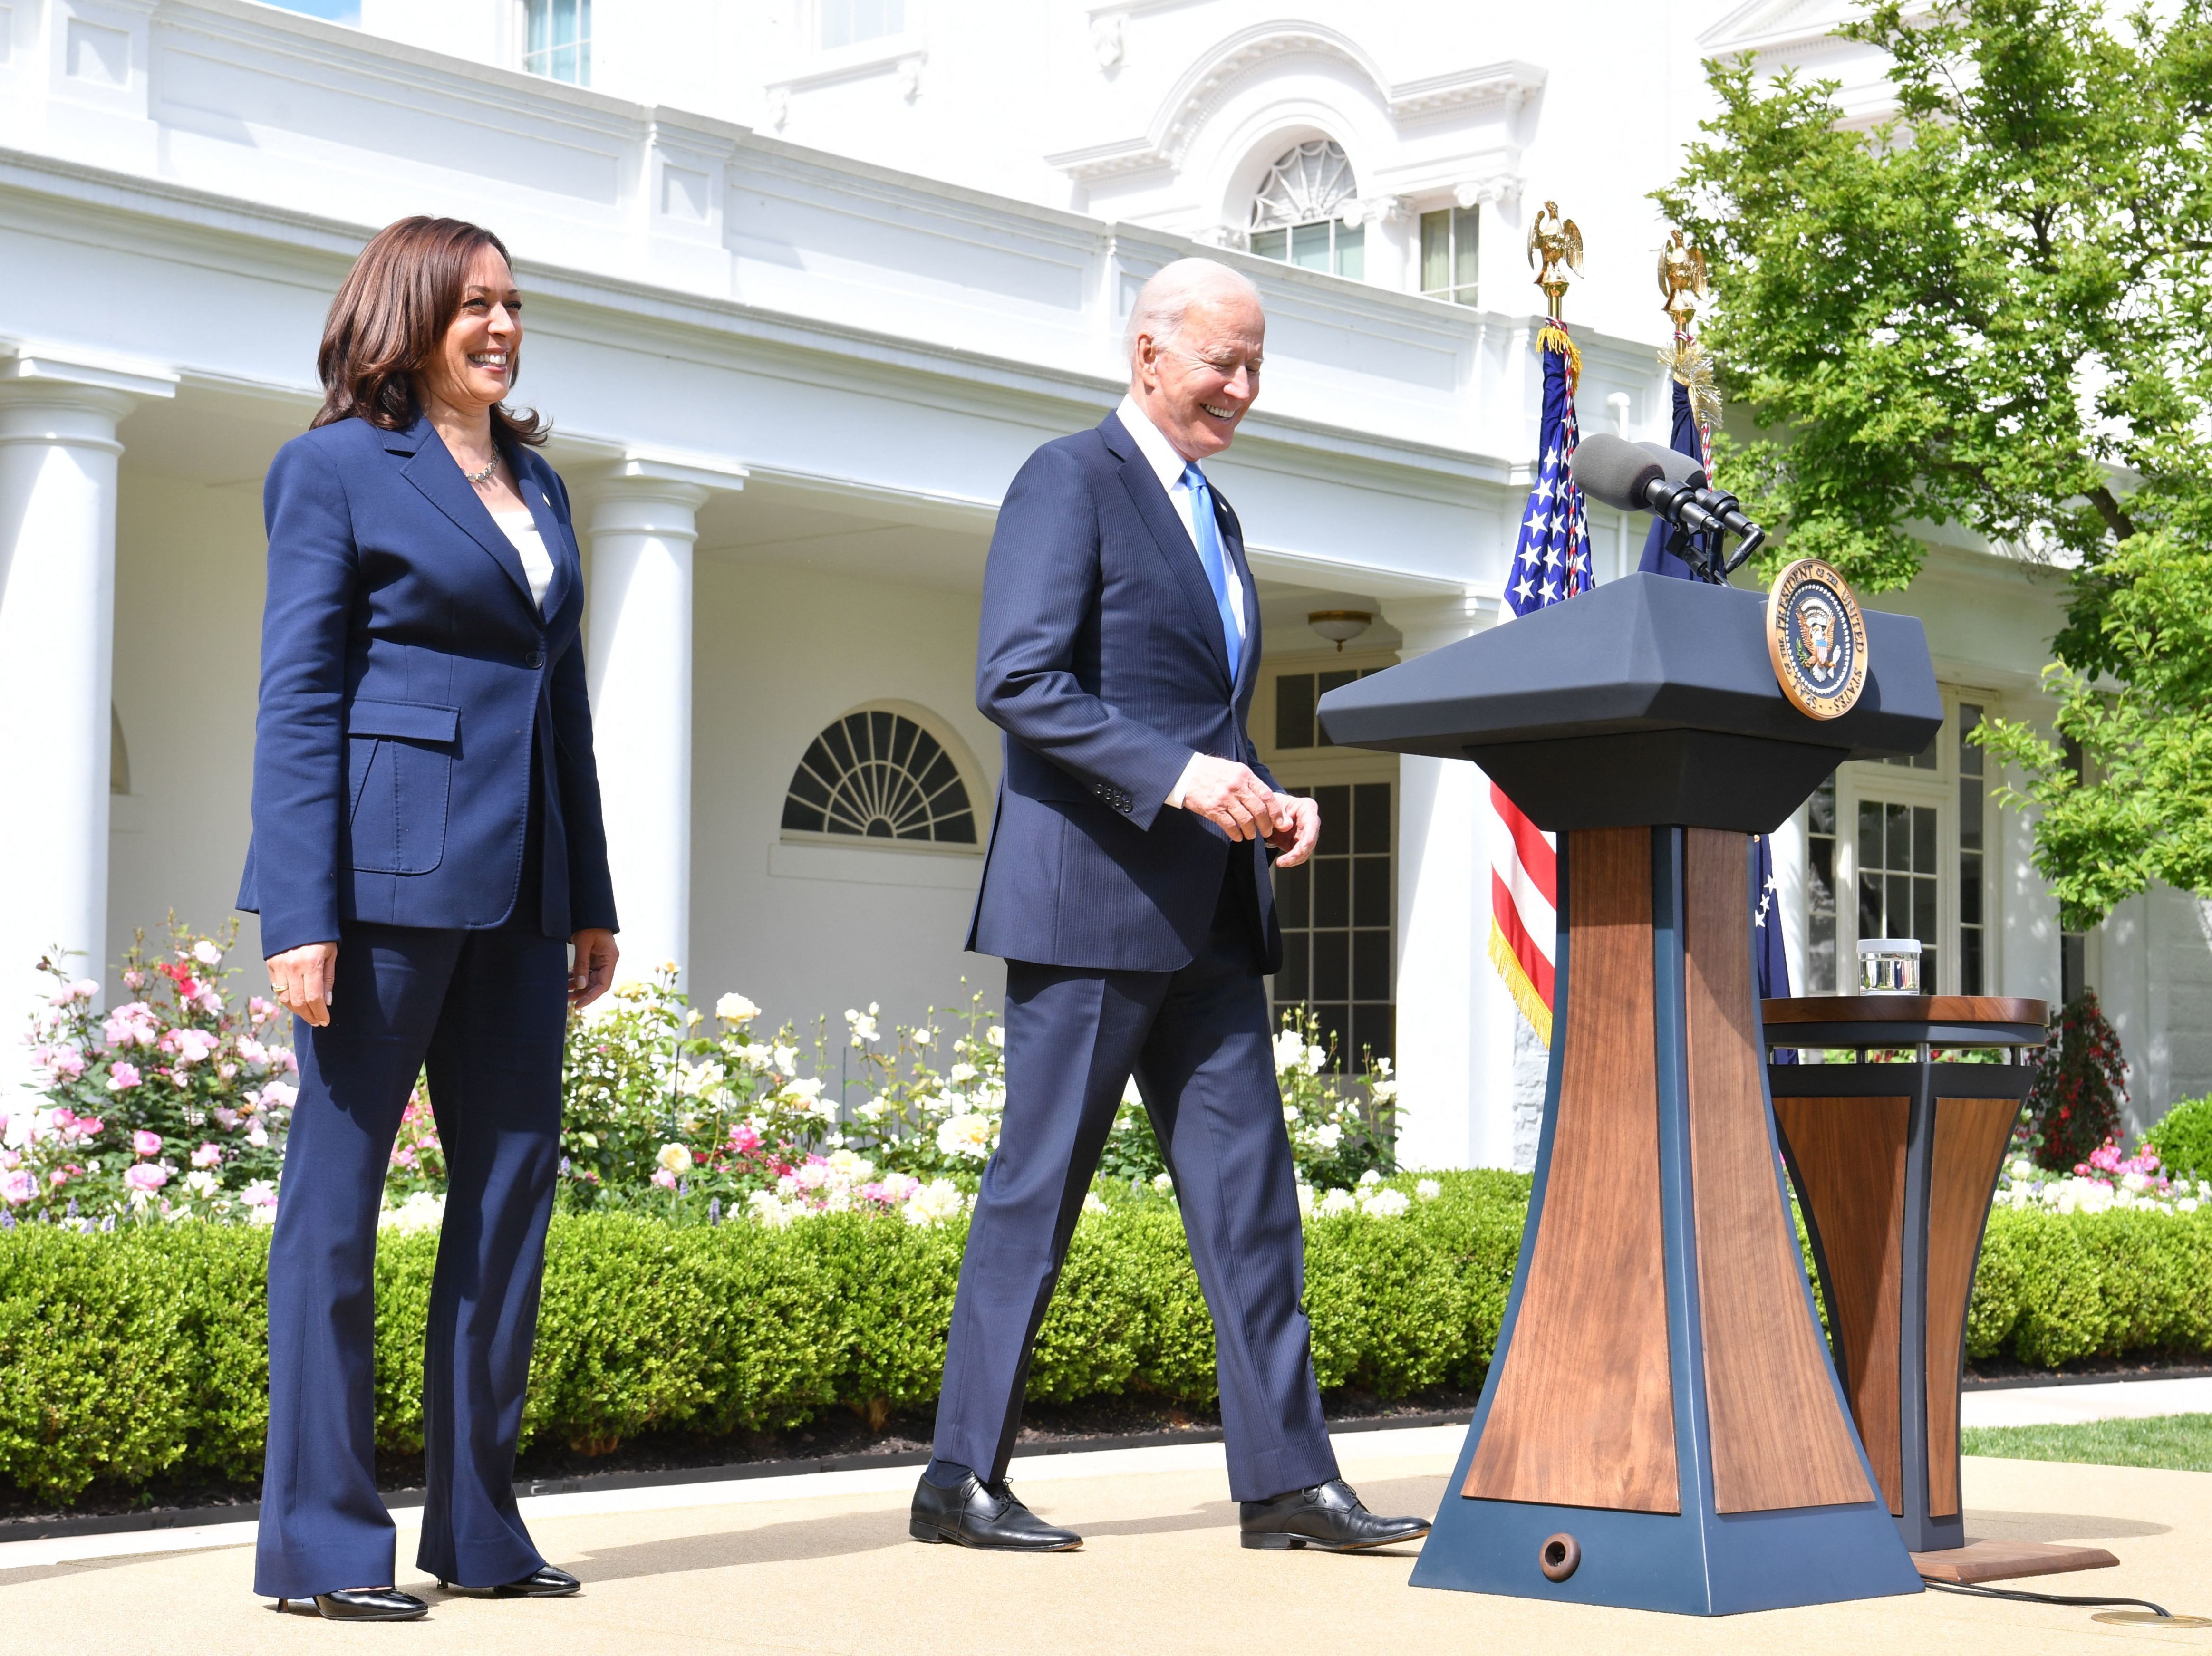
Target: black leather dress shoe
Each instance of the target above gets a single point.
(979, 1514)
(544, 1582)
(1328, 1516)
(362, 1604)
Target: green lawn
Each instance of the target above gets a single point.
(2183, 1442)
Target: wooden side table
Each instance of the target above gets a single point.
(1895, 1165)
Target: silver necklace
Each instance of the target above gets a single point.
(479, 476)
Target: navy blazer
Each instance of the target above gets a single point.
(1101, 658)
(404, 670)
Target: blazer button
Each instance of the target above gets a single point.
(534, 661)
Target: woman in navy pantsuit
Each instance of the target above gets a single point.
(426, 847)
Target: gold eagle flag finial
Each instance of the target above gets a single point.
(1682, 280)
(1554, 241)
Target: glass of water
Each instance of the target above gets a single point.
(1889, 966)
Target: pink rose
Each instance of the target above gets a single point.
(121, 1076)
(146, 1144)
(665, 1179)
(145, 1176)
(207, 1156)
(18, 1188)
(134, 978)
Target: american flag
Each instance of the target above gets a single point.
(1551, 562)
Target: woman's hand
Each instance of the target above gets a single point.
(305, 979)
(594, 968)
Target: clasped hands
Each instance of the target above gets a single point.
(304, 979)
(1234, 798)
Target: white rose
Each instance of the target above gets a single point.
(961, 1072)
(785, 1058)
(1163, 1182)
(1328, 1134)
(924, 1037)
(996, 1036)
(1428, 1190)
(674, 1158)
(1336, 1202)
(1091, 1203)
(1305, 1201)
(734, 1008)
(967, 1136)
(809, 1088)
(206, 953)
(1385, 1203)
(937, 1200)
(202, 1182)
(1290, 1050)
(1371, 1177)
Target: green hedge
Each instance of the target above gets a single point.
(141, 1355)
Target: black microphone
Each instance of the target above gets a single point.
(1631, 477)
(1722, 505)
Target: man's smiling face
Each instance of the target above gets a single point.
(1195, 384)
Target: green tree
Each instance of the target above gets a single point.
(1990, 310)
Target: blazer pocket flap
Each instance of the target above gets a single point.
(412, 721)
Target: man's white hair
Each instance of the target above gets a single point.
(1165, 301)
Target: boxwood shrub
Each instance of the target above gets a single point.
(142, 1354)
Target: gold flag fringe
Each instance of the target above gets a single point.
(1554, 338)
(1517, 985)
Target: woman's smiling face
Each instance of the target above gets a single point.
(476, 363)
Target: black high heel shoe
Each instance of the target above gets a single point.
(362, 1605)
(544, 1582)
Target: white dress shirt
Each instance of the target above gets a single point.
(1168, 466)
(521, 529)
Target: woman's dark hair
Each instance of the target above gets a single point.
(390, 319)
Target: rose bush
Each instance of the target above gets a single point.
(171, 1105)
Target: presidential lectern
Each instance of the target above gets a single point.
(1662, 1427)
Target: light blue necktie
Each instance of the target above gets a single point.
(1207, 534)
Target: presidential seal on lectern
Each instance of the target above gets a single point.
(1817, 638)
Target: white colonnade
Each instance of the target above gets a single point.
(644, 522)
(1457, 1043)
(58, 451)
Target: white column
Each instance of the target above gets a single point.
(1469, 1091)
(57, 485)
(638, 655)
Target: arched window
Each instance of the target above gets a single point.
(1294, 216)
(877, 775)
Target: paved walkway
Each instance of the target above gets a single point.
(822, 1563)
(2069, 1405)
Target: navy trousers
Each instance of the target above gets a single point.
(485, 1010)
(1200, 1045)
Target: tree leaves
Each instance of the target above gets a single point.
(1989, 311)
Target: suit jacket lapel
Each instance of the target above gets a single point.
(434, 471)
(1169, 538)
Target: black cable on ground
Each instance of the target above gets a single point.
(1975, 1591)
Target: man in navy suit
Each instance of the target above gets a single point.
(1126, 888)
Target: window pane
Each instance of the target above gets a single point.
(1923, 838)
(1336, 821)
(1970, 813)
(1898, 821)
(1373, 1032)
(1467, 229)
(1290, 984)
(1352, 252)
(1435, 252)
(1370, 965)
(1294, 894)
(1970, 888)
(1309, 246)
(1370, 891)
(844, 22)
(1970, 753)
(1970, 962)
(1896, 916)
(1923, 921)
(1331, 965)
(1820, 954)
(1871, 906)
(1370, 813)
(1869, 839)
(1270, 243)
(1294, 710)
(1332, 891)
(1819, 875)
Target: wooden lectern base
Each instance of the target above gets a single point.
(1661, 1396)
(2006, 1560)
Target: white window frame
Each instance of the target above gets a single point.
(1872, 779)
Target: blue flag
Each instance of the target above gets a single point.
(1550, 557)
(1767, 951)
